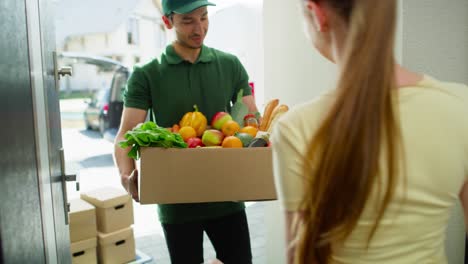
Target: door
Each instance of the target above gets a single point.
(56, 160)
(33, 217)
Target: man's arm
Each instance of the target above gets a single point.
(126, 165)
(243, 83)
(249, 101)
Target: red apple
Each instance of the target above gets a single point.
(212, 137)
(194, 142)
(219, 119)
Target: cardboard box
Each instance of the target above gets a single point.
(84, 252)
(168, 176)
(114, 208)
(82, 217)
(116, 247)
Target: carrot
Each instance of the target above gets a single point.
(272, 104)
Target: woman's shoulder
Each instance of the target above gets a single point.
(303, 119)
(445, 89)
(310, 110)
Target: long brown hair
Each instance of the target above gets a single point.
(342, 162)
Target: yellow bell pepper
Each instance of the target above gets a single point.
(196, 120)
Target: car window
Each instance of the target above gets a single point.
(120, 82)
(102, 96)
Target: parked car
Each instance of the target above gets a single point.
(104, 111)
(96, 113)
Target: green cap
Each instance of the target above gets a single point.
(183, 6)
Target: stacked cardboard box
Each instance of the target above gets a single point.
(83, 232)
(114, 211)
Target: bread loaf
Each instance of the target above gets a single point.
(269, 107)
(277, 113)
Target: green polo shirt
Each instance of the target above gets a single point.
(171, 86)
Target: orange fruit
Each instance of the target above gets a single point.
(249, 130)
(187, 132)
(232, 142)
(230, 128)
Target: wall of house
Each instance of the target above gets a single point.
(294, 73)
(244, 38)
(115, 45)
(96, 42)
(436, 38)
(151, 43)
(152, 35)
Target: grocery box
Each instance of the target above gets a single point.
(114, 208)
(84, 252)
(82, 217)
(168, 176)
(116, 247)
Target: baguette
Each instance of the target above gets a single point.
(277, 112)
(272, 104)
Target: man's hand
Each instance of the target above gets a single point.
(126, 165)
(130, 183)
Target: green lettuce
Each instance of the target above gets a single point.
(149, 134)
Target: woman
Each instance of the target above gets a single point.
(369, 172)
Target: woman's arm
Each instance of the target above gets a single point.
(464, 202)
(293, 219)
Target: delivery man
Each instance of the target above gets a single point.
(188, 73)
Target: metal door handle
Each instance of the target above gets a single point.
(75, 178)
(68, 177)
(64, 71)
(65, 179)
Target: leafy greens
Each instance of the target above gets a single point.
(149, 134)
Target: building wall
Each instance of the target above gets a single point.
(294, 73)
(436, 38)
(115, 45)
(153, 36)
(243, 38)
(150, 44)
(96, 42)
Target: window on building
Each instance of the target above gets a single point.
(133, 32)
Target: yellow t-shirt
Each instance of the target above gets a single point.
(434, 124)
